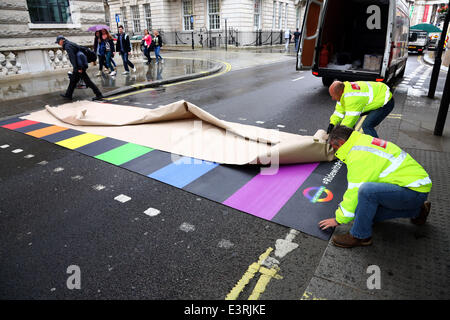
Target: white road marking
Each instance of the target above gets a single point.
(260, 122)
(77, 178)
(281, 126)
(187, 227)
(29, 156)
(298, 79)
(98, 187)
(122, 198)
(152, 212)
(17, 151)
(226, 244)
(4, 146)
(59, 169)
(284, 246)
(149, 104)
(43, 163)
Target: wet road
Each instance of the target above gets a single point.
(58, 207)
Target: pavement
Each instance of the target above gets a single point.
(429, 57)
(414, 262)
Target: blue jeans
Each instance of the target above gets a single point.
(157, 55)
(108, 60)
(383, 201)
(375, 117)
(126, 62)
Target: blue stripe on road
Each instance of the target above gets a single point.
(183, 171)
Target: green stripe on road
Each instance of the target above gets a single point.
(122, 154)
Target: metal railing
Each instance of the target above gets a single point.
(222, 38)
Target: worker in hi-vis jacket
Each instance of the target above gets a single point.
(354, 99)
(384, 182)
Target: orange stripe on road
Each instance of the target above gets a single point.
(46, 131)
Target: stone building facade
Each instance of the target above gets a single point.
(30, 27)
(426, 11)
(178, 19)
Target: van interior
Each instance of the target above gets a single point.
(346, 41)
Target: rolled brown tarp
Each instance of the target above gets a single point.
(182, 128)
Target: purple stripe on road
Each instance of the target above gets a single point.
(265, 195)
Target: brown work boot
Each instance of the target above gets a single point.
(349, 241)
(423, 215)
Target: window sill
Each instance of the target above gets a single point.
(34, 26)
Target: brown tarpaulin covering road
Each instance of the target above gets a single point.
(184, 129)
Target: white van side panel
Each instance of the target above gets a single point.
(387, 47)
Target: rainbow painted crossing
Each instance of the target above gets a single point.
(279, 197)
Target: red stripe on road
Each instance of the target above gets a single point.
(19, 124)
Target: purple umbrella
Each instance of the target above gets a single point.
(98, 27)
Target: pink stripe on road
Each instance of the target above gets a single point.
(265, 195)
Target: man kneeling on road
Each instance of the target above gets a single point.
(354, 99)
(80, 65)
(384, 182)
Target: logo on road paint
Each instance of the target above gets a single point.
(314, 194)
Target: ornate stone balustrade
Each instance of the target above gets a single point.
(32, 60)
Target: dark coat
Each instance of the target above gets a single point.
(125, 42)
(72, 50)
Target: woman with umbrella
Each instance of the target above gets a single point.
(100, 48)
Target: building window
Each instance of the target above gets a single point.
(148, 16)
(297, 19)
(214, 14)
(187, 13)
(50, 11)
(136, 19)
(123, 13)
(280, 9)
(257, 14)
(274, 16)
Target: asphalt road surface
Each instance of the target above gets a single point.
(58, 207)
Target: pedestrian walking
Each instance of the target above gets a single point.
(109, 50)
(148, 45)
(123, 47)
(158, 44)
(355, 99)
(287, 39)
(297, 35)
(99, 48)
(80, 65)
(384, 182)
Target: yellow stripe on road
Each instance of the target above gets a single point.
(360, 122)
(263, 281)
(227, 69)
(79, 141)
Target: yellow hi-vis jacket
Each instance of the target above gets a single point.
(370, 159)
(359, 97)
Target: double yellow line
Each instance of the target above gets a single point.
(266, 275)
(225, 70)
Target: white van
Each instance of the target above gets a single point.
(352, 40)
(418, 41)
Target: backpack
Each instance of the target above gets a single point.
(90, 54)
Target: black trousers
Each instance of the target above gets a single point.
(76, 76)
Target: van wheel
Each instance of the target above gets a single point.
(327, 81)
(401, 74)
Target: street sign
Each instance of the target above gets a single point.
(117, 17)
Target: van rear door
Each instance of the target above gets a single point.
(310, 34)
